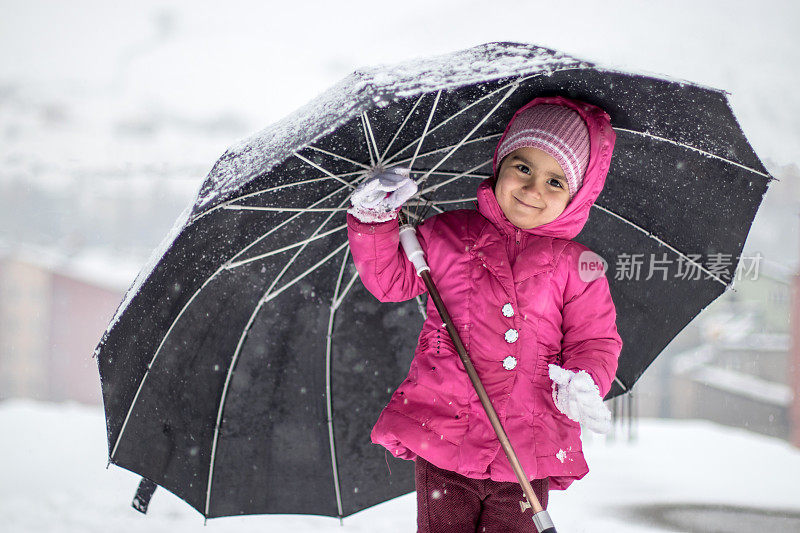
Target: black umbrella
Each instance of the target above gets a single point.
(246, 365)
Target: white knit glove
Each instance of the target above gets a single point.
(377, 198)
(577, 396)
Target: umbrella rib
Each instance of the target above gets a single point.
(660, 241)
(516, 82)
(295, 184)
(402, 125)
(698, 150)
(222, 403)
(366, 138)
(427, 125)
(232, 365)
(263, 300)
(513, 88)
(296, 254)
(336, 301)
(451, 173)
(286, 209)
(155, 355)
(408, 212)
(328, 396)
(457, 176)
(421, 307)
(321, 262)
(416, 215)
(482, 98)
(416, 201)
(621, 384)
(455, 201)
(346, 290)
(328, 172)
(343, 158)
(285, 248)
(370, 137)
(277, 227)
(226, 204)
(443, 148)
(459, 112)
(186, 306)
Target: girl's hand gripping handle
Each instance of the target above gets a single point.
(410, 243)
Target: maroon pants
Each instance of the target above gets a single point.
(448, 502)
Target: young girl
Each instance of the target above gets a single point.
(540, 330)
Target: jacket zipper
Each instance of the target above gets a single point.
(518, 246)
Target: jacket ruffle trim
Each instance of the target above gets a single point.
(405, 441)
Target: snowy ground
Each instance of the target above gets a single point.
(694, 475)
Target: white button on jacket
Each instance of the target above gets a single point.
(512, 335)
(508, 311)
(510, 362)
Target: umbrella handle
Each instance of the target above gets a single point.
(408, 238)
(410, 243)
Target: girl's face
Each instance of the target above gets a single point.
(531, 188)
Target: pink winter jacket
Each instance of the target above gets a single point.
(519, 304)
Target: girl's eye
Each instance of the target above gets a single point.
(555, 182)
(524, 169)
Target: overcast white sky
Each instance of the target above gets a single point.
(261, 60)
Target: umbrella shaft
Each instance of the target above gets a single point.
(482, 395)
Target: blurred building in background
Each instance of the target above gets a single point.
(53, 310)
(733, 364)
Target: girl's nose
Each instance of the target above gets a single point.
(533, 188)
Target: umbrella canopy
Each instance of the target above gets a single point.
(246, 365)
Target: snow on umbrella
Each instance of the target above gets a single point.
(246, 365)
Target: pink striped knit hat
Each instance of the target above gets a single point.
(556, 129)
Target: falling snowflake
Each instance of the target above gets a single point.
(561, 455)
(436, 494)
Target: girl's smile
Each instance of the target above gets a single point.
(523, 203)
(531, 188)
